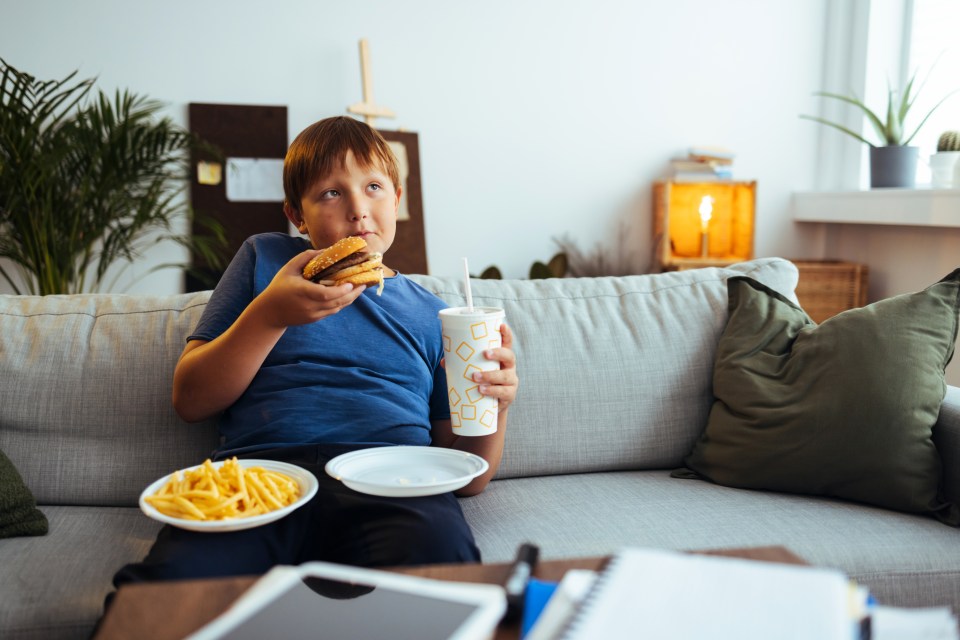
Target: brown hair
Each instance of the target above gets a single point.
(316, 150)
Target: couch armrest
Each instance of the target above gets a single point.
(946, 435)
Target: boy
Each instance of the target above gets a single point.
(301, 372)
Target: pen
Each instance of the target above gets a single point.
(518, 578)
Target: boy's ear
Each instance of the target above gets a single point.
(396, 205)
(293, 215)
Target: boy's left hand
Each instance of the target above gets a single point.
(501, 384)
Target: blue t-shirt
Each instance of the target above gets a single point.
(369, 374)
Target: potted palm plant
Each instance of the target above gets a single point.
(893, 162)
(86, 181)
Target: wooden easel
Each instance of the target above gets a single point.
(368, 109)
(409, 252)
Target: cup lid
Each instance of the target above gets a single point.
(475, 311)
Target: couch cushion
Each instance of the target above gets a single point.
(843, 409)
(19, 515)
(54, 586)
(89, 418)
(580, 342)
(904, 560)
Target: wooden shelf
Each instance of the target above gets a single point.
(904, 207)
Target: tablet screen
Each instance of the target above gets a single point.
(333, 610)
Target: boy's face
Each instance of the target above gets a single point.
(350, 201)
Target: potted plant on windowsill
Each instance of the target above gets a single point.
(87, 183)
(945, 163)
(893, 162)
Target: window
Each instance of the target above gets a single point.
(871, 45)
(935, 53)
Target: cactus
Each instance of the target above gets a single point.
(949, 141)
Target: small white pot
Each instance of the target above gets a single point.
(945, 170)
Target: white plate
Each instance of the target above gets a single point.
(308, 487)
(404, 472)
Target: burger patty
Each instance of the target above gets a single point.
(349, 261)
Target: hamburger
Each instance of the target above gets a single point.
(344, 262)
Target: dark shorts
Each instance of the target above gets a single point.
(338, 525)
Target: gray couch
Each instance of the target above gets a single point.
(615, 389)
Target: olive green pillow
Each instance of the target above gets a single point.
(843, 409)
(19, 515)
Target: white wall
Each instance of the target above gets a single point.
(550, 118)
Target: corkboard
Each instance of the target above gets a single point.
(409, 251)
(240, 131)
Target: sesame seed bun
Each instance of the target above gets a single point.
(332, 255)
(373, 276)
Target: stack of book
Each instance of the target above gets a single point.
(703, 164)
(655, 593)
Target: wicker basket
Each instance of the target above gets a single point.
(827, 287)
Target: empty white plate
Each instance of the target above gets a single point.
(406, 471)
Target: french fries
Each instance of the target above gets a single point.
(232, 491)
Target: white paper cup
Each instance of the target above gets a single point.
(466, 335)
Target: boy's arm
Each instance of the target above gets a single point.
(490, 448)
(210, 376)
(501, 384)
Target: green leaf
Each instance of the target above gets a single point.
(540, 271)
(905, 101)
(894, 129)
(930, 113)
(86, 182)
(872, 117)
(558, 265)
(845, 130)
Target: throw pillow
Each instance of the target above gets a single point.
(843, 409)
(19, 515)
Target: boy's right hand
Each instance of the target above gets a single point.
(290, 299)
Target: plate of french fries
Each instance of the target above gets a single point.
(229, 495)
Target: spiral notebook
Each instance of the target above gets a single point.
(664, 594)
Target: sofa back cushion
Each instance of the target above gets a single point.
(615, 373)
(85, 394)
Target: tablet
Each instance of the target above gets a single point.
(336, 602)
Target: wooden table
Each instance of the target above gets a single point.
(173, 610)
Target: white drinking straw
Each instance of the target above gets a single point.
(466, 279)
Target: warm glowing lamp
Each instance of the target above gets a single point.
(699, 224)
(706, 212)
